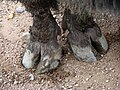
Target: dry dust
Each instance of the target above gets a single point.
(72, 74)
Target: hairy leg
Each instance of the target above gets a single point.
(43, 44)
(85, 37)
(50, 50)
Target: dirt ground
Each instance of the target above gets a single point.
(71, 74)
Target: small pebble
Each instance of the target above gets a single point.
(1, 80)
(70, 86)
(103, 19)
(87, 79)
(20, 9)
(117, 84)
(76, 84)
(3, 2)
(4, 82)
(26, 35)
(15, 82)
(103, 14)
(54, 16)
(113, 70)
(11, 15)
(110, 15)
(95, 81)
(66, 59)
(0, 20)
(106, 69)
(68, 53)
(107, 81)
(95, 20)
(64, 87)
(42, 80)
(102, 55)
(31, 77)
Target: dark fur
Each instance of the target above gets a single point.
(43, 40)
(84, 32)
(77, 19)
(76, 6)
(40, 31)
(42, 19)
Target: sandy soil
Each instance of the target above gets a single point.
(72, 74)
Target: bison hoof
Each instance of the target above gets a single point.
(28, 59)
(84, 54)
(47, 67)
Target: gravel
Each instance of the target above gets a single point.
(71, 74)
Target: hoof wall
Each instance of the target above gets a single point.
(51, 66)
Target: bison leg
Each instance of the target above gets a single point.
(50, 51)
(85, 39)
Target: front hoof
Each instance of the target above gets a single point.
(28, 59)
(48, 66)
(83, 54)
